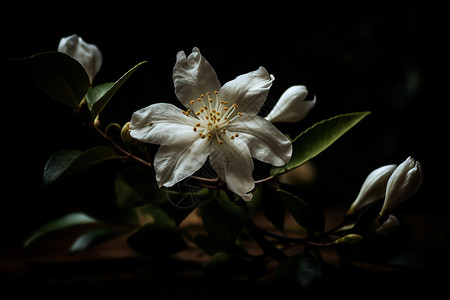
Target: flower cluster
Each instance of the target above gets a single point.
(219, 127)
(395, 184)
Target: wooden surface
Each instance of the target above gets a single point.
(46, 268)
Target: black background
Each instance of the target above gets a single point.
(388, 60)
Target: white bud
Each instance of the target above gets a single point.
(88, 55)
(389, 226)
(291, 107)
(373, 188)
(402, 184)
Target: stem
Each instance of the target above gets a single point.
(268, 248)
(282, 238)
(119, 149)
(265, 179)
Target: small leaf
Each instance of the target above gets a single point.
(58, 163)
(156, 239)
(302, 212)
(70, 162)
(100, 103)
(72, 219)
(300, 270)
(136, 186)
(93, 238)
(317, 138)
(60, 76)
(97, 92)
(224, 220)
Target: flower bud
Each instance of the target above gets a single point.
(125, 134)
(349, 239)
(402, 184)
(373, 188)
(389, 226)
(88, 55)
(128, 140)
(291, 107)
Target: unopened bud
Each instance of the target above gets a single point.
(88, 55)
(402, 184)
(125, 134)
(97, 122)
(373, 188)
(348, 239)
(291, 107)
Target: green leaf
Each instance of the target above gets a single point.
(302, 212)
(93, 238)
(318, 138)
(104, 94)
(272, 206)
(224, 220)
(72, 219)
(300, 270)
(70, 162)
(136, 186)
(97, 92)
(156, 239)
(60, 76)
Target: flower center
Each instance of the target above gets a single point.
(213, 117)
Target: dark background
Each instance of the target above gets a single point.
(388, 60)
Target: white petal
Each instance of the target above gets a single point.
(88, 55)
(265, 141)
(248, 91)
(233, 163)
(373, 188)
(193, 76)
(176, 162)
(291, 107)
(162, 123)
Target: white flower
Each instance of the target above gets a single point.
(373, 188)
(402, 184)
(291, 107)
(88, 55)
(219, 121)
